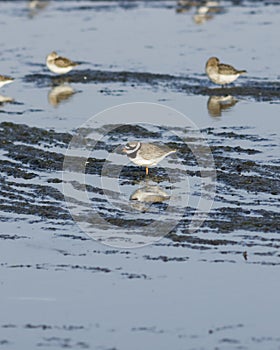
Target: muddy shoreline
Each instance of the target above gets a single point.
(34, 155)
(255, 89)
(213, 288)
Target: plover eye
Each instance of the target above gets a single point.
(129, 146)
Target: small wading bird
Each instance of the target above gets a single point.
(5, 80)
(220, 73)
(146, 154)
(58, 64)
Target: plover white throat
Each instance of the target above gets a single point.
(5, 80)
(146, 154)
(220, 73)
(58, 64)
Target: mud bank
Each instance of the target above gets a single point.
(32, 164)
(255, 89)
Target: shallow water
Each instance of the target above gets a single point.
(214, 288)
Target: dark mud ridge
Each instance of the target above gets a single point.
(259, 90)
(248, 190)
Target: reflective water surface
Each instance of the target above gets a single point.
(216, 287)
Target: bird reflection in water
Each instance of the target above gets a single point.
(217, 104)
(60, 93)
(36, 6)
(184, 5)
(204, 10)
(144, 196)
(5, 99)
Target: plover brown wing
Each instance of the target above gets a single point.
(63, 62)
(228, 69)
(151, 151)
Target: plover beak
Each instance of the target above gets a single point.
(124, 150)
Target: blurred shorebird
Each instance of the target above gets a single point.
(146, 154)
(5, 80)
(220, 73)
(58, 64)
(206, 10)
(35, 6)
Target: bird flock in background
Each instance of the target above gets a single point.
(143, 154)
(218, 73)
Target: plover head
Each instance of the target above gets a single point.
(131, 147)
(52, 56)
(212, 62)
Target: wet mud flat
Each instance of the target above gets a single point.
(251, 89)
(215, 288)
(247, 190)
(67, 269)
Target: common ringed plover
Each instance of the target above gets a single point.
(58, 64)
(5, 80)
(146, 154)
(220, 73)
